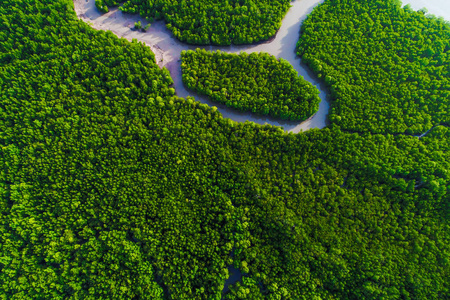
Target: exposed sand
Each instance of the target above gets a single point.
(439, 8)
(167, 51)
(120, 24)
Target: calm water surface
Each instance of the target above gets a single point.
(168, 49)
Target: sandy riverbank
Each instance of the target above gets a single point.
(167, 51)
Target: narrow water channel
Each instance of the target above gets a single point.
(168, 49)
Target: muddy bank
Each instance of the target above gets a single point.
(167, 51)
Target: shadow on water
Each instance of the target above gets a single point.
(235, 276)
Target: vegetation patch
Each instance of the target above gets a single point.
(206, 22)
(256, 82)
(111, 187)
(388, 67)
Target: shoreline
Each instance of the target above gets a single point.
(167, 50)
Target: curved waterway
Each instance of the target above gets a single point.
(167, 51)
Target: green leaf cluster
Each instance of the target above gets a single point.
(111, 187)
(205, 22)
(92, 201)
(103, 5)
(256, 82)
(336, 215)
(388, 67)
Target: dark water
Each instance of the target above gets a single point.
(235, 276)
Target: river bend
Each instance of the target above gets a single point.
(167, 51)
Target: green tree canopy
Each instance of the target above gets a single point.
(256, 82)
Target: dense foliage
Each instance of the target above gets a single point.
(345, 216)
(388, 68)
(111, 187)
(211, 22)
(255, 82)
(93, 201)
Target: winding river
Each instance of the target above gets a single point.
(167, 51)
